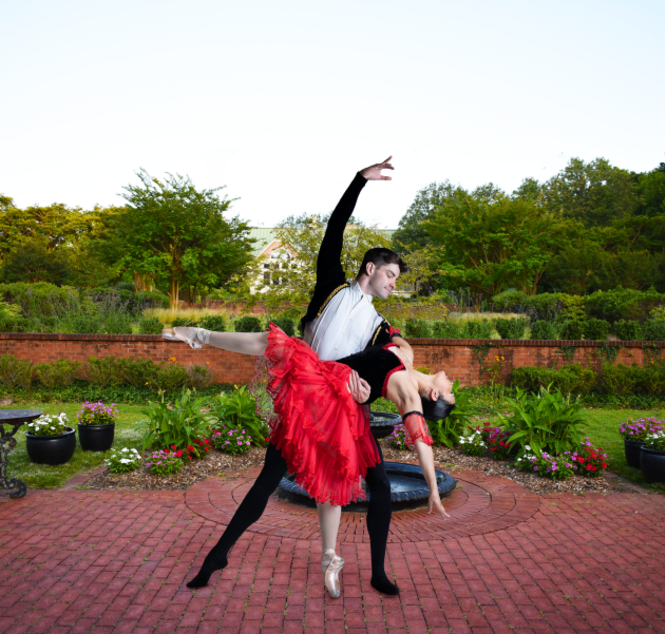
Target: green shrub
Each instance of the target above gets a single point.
(199, 377)
(213, 322)
(138, 372)
(447, 330)
(622, 379)
(596, 329)
(570, 379)
(417, 328)
(104, 372)
(622, 304)
(170, 377)
(181, 322)
(248, 324)
(572, 330)
(628, 330)
(237, 411)
(478, 328)
(58, 373)
(179, 424)
(653, 330)
(15, 372)
(11, 319)
(123, 460)
(546, 422)
(232, 441)
(511, 328)
(543, 330)
(150, 326)
(286, 324)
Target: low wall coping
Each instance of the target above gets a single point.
(495, 343)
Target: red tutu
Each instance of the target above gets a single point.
(322, 433)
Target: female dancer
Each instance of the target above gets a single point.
(320, 433)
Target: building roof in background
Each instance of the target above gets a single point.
(265, 235)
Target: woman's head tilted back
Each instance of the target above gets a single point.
(439, 400)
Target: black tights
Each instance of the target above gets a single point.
(256, 500)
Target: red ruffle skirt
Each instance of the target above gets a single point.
(322, 433)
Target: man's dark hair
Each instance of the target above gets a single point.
(380, 256)
(436, 410)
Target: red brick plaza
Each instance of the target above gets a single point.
(509, 561)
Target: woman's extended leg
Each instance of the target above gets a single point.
(254, 343)
(249, 511)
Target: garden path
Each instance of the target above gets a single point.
(509, 561)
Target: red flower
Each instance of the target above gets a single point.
(492, 448)
(190, 447)
(588, 467)
(173, 447)
(179, 454)
(604, 466)
(593, 468)
(166, 451)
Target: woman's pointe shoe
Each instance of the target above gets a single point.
(194, 337)
(331, 574)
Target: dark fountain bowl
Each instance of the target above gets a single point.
(408, 488)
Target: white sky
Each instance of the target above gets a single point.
(283, 102)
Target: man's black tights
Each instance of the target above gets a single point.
(256, 500)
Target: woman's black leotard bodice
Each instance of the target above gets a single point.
(375, 364)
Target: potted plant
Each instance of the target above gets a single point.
(652, 458)
(96, 426)
(50, 440)
(634, 434)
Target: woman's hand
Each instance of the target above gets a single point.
(435, 501)
(373, 172)
(358, 388)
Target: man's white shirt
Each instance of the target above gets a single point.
(345, 326)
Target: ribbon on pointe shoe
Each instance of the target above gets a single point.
(194, 337)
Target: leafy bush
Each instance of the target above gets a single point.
(543, 330)
(150, 326)
(447, 330)
(213, 322)
(622, 379)
(628, 330)
(589, 460)
(572, 330)
(569, 379)
(500, 447)
(175, 426)
(11, 319)
(199, 377)
(49, 425)
(655, 441)
(622, 304)
(545, 465)
(248, 324)
(170, 377)
(548, 422)
(232, 441)
(138, 372)
(97, 414)
(596, 329)
(417, 328)
(15, 372)
(473, 445)
(123, 460)
(237, 411)
(286, 324)
(165, 462)
(653, 330)
(180, 322)
(398, 438)
(478, 328)
(58, 373)
(104, 372)
(511, 328)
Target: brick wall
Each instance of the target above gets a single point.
(456, 356)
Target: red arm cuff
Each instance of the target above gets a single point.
(416, 428)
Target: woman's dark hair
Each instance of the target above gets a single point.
(436, 410)
(381, 256)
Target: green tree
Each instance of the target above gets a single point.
(177, 235)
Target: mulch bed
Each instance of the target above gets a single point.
(450, 460)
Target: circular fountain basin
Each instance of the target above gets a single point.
(383, 423)
(408, 488)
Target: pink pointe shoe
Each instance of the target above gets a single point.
(331, 566)
(194, 337)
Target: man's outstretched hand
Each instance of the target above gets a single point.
(359, 388)
(373, 172)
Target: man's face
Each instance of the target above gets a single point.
(382, 281)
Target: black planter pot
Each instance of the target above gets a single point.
(653, 465)
(52, 450)
(633, 450)
(96, 437)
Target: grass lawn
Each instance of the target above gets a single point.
(49, 477)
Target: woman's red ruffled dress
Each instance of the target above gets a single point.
(322, 433)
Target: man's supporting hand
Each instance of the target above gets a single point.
(358, 388)
(373, 173)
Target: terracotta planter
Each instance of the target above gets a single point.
(51, 450)
(633, 449)
(653, 465)
(96, 437)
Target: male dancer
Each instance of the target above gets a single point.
(340, 321)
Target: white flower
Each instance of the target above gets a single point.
(125, 449)
(527, 447)
(124, 460)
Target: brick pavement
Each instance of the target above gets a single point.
(116, 561)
